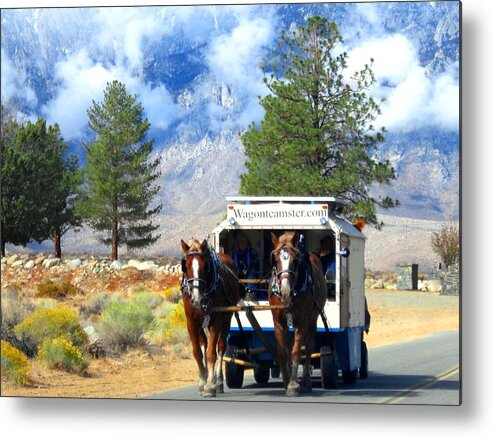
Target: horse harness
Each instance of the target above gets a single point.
(303, 284)
(305, 278)
(211, 284)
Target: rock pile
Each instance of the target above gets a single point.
(90, 264)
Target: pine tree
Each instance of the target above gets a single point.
(36, 182)
(120, 178)
(317, 136)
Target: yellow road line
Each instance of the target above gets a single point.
(404, 394)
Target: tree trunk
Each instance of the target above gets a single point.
(114, 241)
(57, 241)
(3, 247)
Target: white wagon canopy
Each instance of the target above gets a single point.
(314, 218)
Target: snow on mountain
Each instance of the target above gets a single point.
(197, 71)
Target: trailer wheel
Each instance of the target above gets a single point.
(363, 370)
(275, 371)
(349, 376)
(234, 372)
(261, 374)
(328, 367)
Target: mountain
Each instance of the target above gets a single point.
(198, 78)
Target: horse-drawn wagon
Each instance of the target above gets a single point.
(342, 321)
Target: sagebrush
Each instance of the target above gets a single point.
(56, 290)
(14, 364)
(45, 324)
(60, 353)
(122, 324)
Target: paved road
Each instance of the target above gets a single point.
(424, 371)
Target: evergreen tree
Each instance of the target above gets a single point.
(36, 182)
(317, 136)
(63, 197)
(120, 178)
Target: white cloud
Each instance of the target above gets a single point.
(14, 84)
(83, 80)
(413, 99)
(234, 59)
(125, 30)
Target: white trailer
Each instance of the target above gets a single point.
(339, 343)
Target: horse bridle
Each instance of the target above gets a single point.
(284, 254)
(192, 279)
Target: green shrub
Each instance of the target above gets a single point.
(13, 364)
(60, 353)
(165, 309)
(139, 289)
(175, 326)
(15, 309)
(149, 299)
(96, 304)
(122, 324)
(172, 294)
(46, 324)
(56, 290)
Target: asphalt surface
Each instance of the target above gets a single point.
(420, 372)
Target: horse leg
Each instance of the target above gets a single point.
(306, 380)
(280, 334)
(195, 332)
(210, 386)
(221, 346)
(293, 386)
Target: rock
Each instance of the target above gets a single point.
(421, 285)
(144, 265)
(133, 263)
(390, 286)
(116, 265)
(51, 262)
(29, 265)
(369, 282)
(434, 285)
(39, 260)
(17, 264)
(12, 259)
(378, 284)
(74, 263)
(91, 333)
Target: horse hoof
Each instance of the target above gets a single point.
(209, 394)
(220, 389)
(292, 392)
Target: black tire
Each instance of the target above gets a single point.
(261, 374)
(328, 367)
(349, 376)
(363, 370)
(233, 372)
(275, 371)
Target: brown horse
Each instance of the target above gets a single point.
(298, 284)
(209, 280)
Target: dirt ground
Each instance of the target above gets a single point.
(396, 316)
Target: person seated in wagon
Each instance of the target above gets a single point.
(327, 256)
(246, 261)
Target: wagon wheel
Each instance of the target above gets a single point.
(328, 367)
(261, 374)
(275, 371)
(363, 370)
(234, 372)
(349, 376)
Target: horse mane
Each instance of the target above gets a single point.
(285, 241)
(195, 245)
(359, 225)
